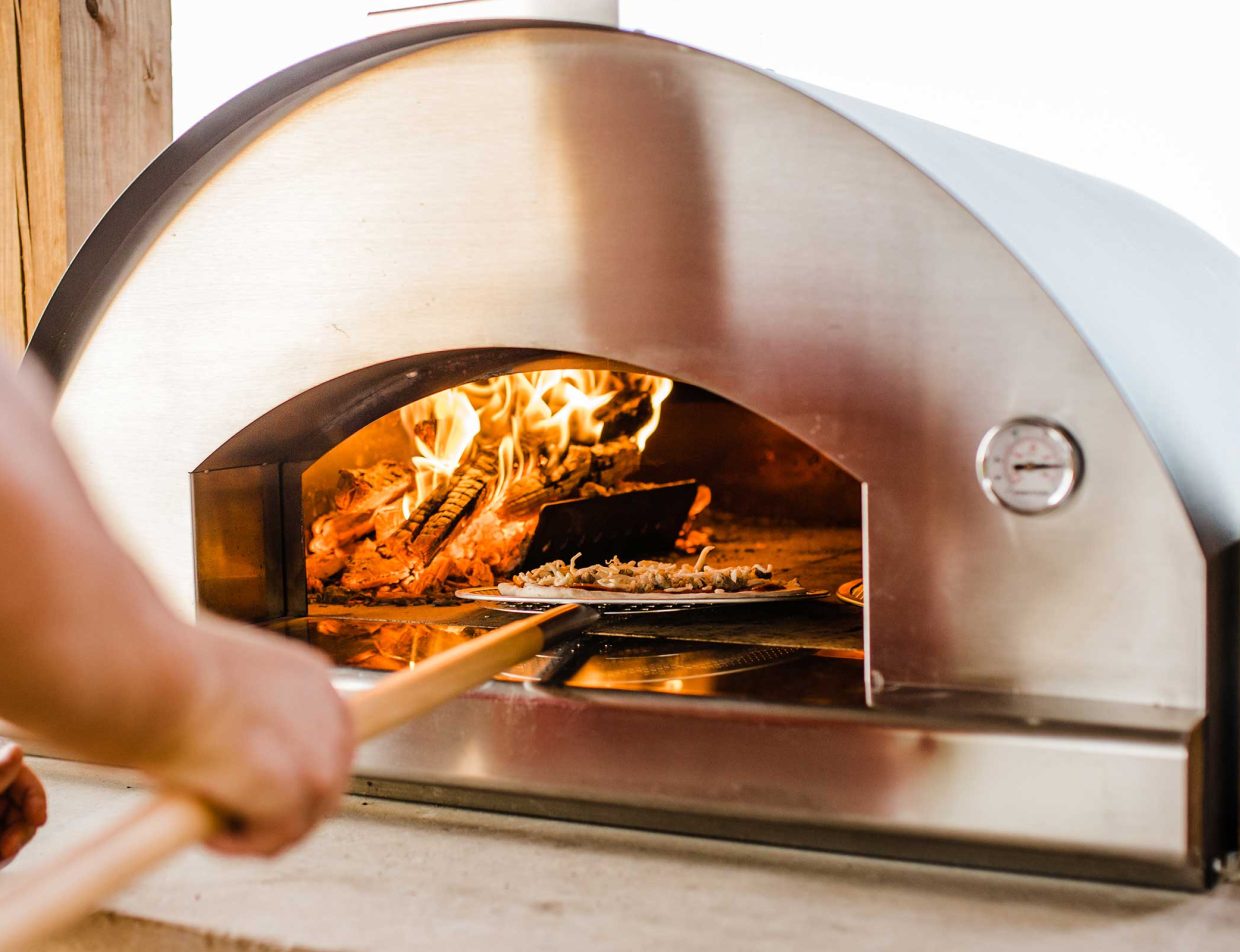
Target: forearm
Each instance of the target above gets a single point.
(78, 622)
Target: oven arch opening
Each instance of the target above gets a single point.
(774, 500)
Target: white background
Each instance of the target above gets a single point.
(1144, 93)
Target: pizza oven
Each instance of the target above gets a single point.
(506, 291)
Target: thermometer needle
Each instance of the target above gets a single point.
(1024, 466)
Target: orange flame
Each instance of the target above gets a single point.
(526, 433)
(530, 419)
(660, 388)
(455, 427)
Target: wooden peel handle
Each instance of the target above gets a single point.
(70, 886)
(410, 693)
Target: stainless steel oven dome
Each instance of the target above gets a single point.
(410, 210)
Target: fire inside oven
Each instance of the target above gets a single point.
(450, 495)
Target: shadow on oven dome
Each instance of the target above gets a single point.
(383, 519)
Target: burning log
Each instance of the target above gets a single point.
(544, 485)
(336, 530)
(612, 463)
(332, 536)
(410, 549)
(417, 519)
(605, 465)
(389, 523)
(320, 566)
(388, 520)
(463, 494)
(626, 413)
(365, 490)
(474, 526)
(387, 563)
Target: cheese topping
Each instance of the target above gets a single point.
(648, 577)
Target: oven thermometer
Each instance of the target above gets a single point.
(1028, 465)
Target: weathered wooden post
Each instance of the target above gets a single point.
(85, 103)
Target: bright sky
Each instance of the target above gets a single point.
(1142, 92)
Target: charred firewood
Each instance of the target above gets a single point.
(388, 560)
(388, 520)
(463, 493)
(386, 564)
(612, 463)
(337, 530)
(320, 566)
(364, 490)
(544, 485)
(428, 507)
(624, 414)
(605, 465)
(408, 550)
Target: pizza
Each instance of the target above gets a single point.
(560, 579)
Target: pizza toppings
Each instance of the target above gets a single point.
(647, 577)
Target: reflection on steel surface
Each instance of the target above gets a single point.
(991, 792)
(852, 592)
(606, 661)
(777, 745)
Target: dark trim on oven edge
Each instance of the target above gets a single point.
(304, 427)
(1220, 795)
(135, 219)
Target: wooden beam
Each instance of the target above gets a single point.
(44, 238)
(12, 189)
(85, 104)
(33, 182)
(117, 78)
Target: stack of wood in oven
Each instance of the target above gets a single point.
(373, 546)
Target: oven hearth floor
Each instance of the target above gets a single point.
(386, 875)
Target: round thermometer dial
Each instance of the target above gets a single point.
(1028, 465)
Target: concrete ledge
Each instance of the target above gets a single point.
(107, 930)
(387, 875)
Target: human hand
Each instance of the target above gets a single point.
(23, 802)
(267, 739)
(104, 669)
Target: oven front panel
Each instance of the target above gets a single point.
(987, 792)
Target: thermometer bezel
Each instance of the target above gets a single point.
(1057, 434)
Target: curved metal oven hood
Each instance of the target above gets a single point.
(400, 214)
(596, 192)
(1154, 296)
